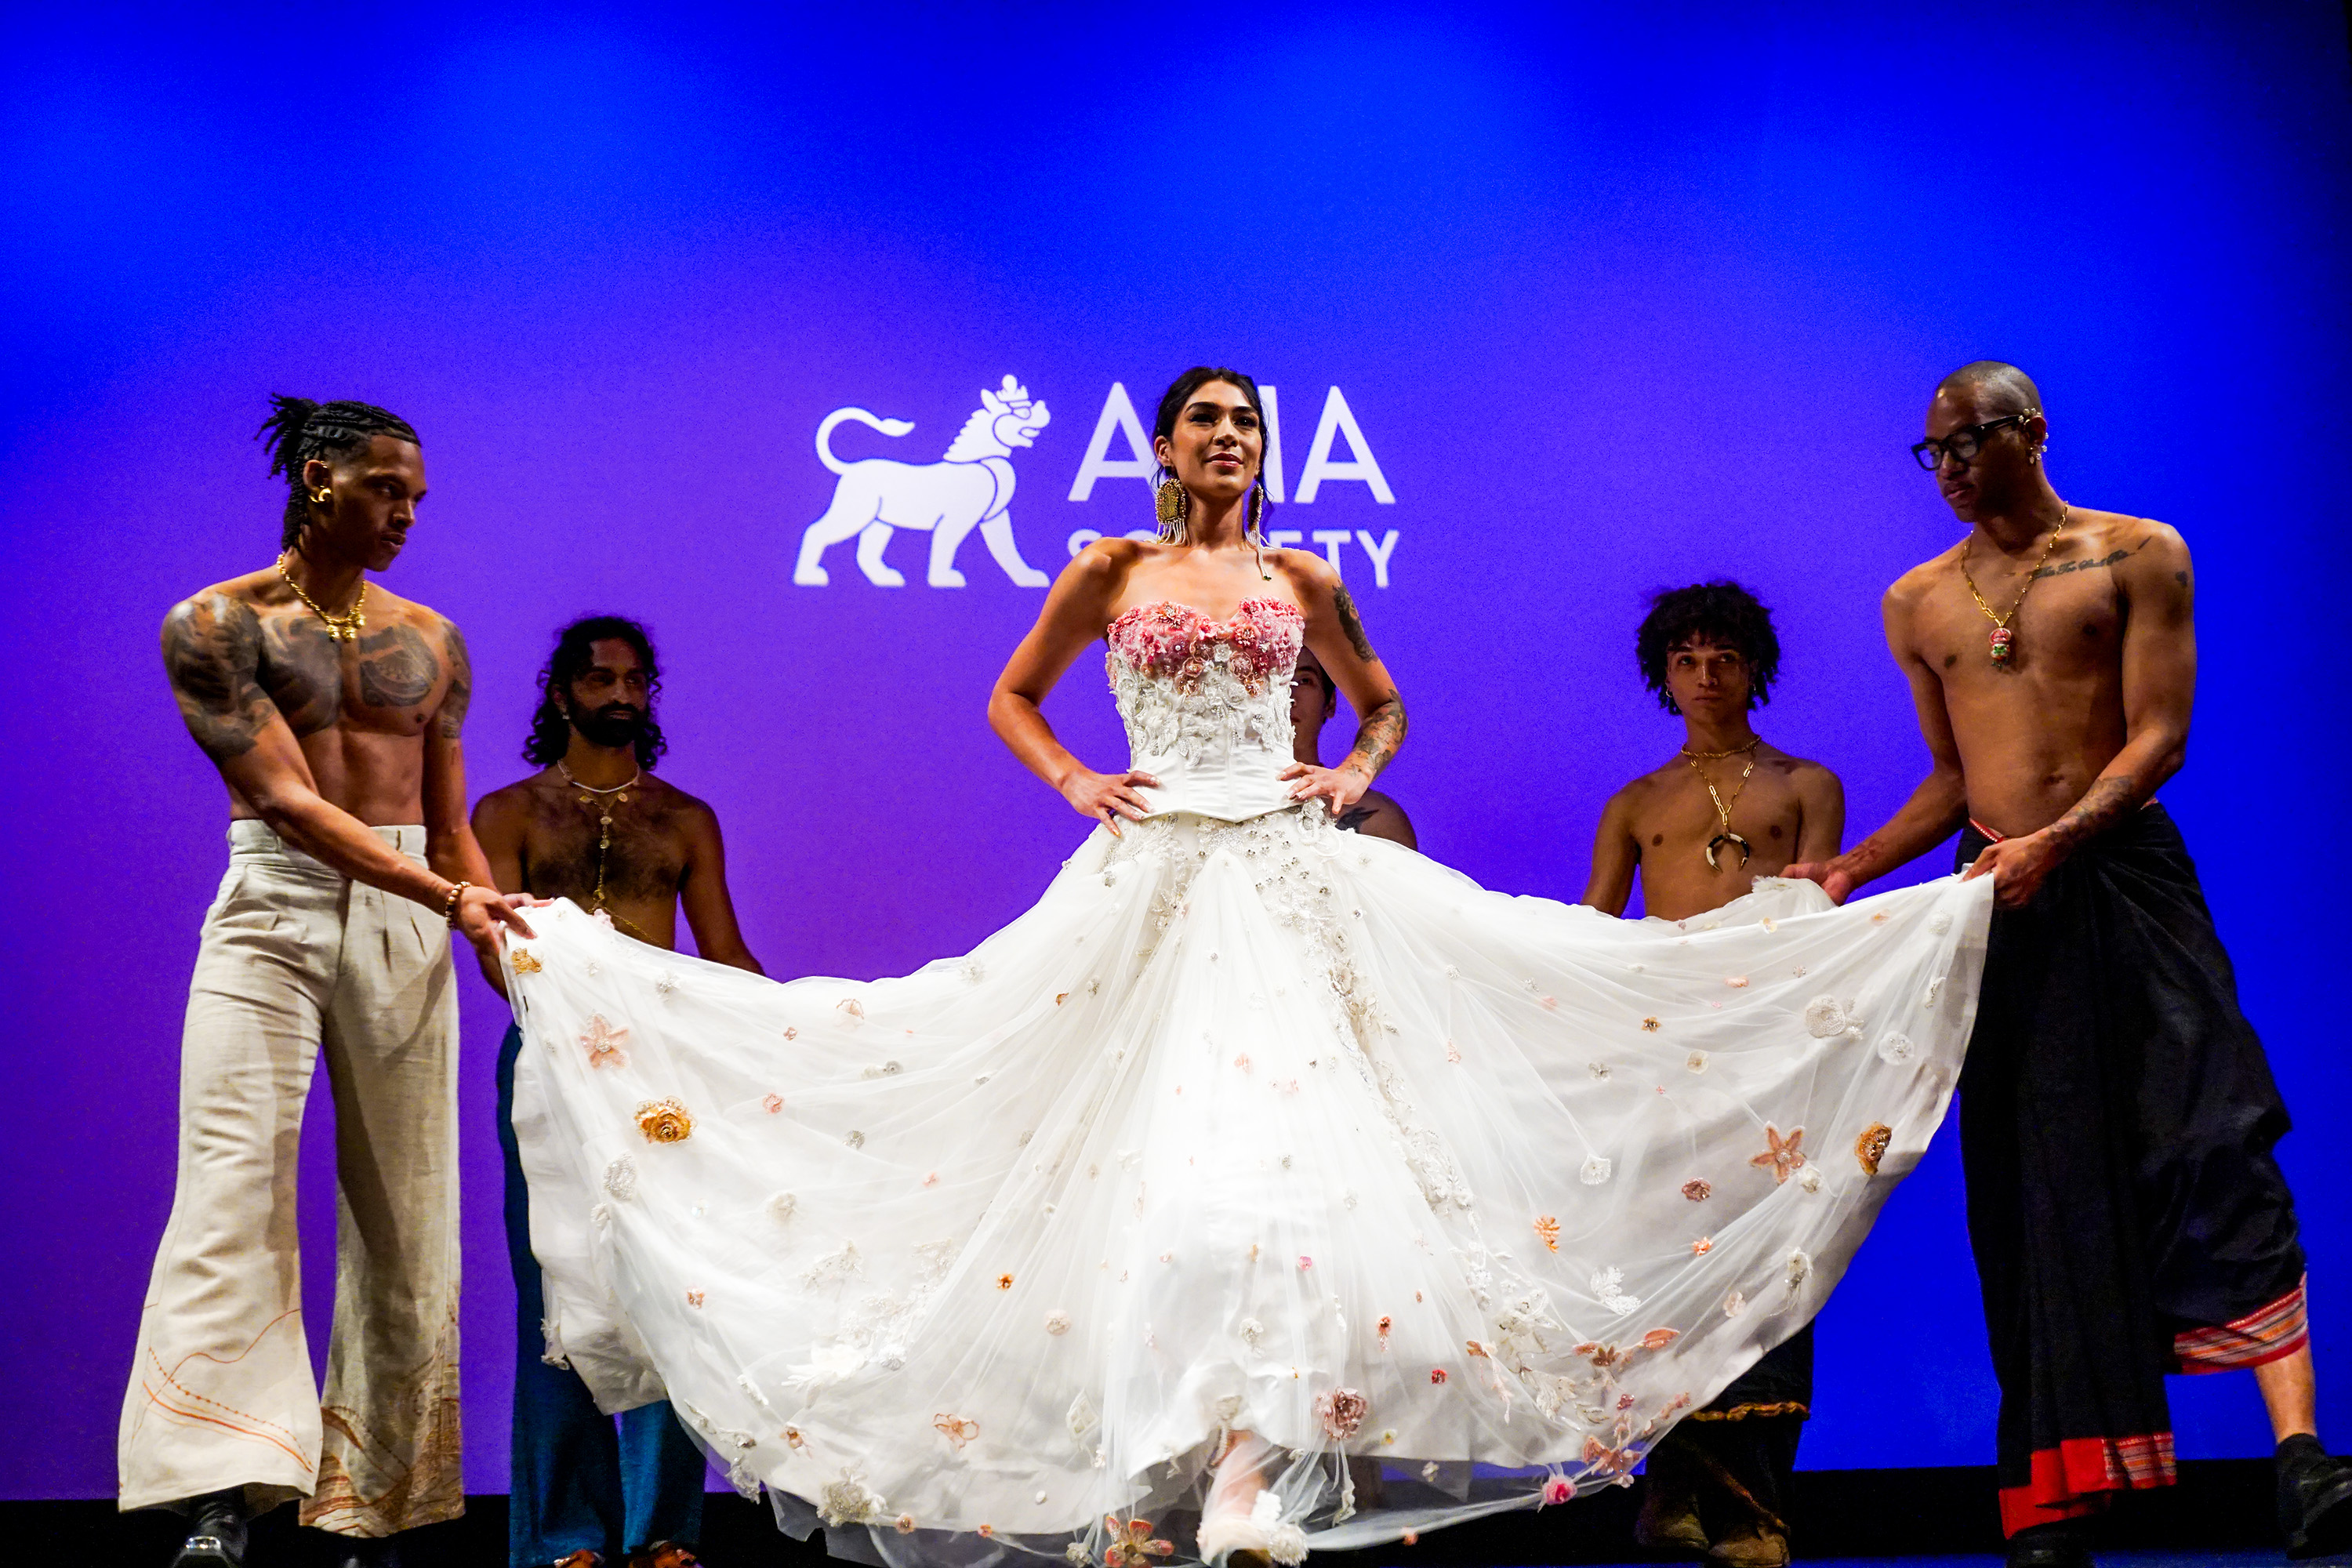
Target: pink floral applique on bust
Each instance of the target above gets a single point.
(1260, 641)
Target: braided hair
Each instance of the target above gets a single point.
(299, 430)
(551, 727)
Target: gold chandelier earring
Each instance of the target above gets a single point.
(1171, 505)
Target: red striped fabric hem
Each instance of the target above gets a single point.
(2267, 1334)
(2076, 1477)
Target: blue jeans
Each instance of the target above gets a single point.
(578, 1483)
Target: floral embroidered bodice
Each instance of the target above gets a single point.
(1207, 703)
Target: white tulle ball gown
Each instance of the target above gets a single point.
(1425, 1201)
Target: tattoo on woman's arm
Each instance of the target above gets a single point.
(1380, 735)
(1353, 626)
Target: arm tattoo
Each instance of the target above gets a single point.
(1380, 735)
(211, 651)
(452, 722)
(397, 669)
(2105, 804)
(1354, 627)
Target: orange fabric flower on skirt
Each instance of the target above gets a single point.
(665, 1121)
(1871, 1147)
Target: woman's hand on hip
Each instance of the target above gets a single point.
(1336, 788)
(1107, 797)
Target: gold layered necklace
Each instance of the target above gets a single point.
(604, 800)
(344, 628)
(2003, 641)
(1723, 809)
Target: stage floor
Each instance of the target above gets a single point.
(2220, 1514)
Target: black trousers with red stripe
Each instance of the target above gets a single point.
(2118, 1116)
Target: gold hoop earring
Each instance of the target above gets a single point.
(1171, 504)
(323, 498)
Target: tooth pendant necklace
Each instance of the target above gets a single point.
(1722, 809)
(615, 793)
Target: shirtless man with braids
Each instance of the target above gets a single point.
(332, 710)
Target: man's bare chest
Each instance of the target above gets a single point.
(389, 682)
(636, 849)
(1679, 816)
(2066, 624)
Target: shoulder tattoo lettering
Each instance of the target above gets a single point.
(2060, 570)
(212, 648)
(397, 668)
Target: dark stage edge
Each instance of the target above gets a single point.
(2220, 1513)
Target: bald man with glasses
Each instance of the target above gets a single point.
(2117, 1114)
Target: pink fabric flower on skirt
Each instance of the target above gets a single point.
(1341, 1411)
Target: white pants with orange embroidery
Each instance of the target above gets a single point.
(295, 957)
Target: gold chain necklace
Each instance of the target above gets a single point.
(344, 628)
(2003, 639)
(605, 834)
(1722, 811)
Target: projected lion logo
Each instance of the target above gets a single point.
(969, 488)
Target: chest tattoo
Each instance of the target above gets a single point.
(397, 668)
(302, 673)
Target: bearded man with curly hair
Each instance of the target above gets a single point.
(595, 826)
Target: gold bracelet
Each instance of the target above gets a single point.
(449, 904)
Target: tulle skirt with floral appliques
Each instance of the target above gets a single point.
(1456, 1199)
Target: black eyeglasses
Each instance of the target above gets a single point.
(1962, 444)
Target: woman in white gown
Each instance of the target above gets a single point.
(1263, 1186)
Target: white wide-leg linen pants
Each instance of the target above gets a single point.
(295, 957)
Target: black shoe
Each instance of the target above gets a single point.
(215, 1532)
(2064, 1544)
(352, 1551)
(2315, 1499)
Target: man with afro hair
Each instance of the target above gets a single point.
(1723, 810)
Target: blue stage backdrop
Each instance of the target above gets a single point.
(1559, 306)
